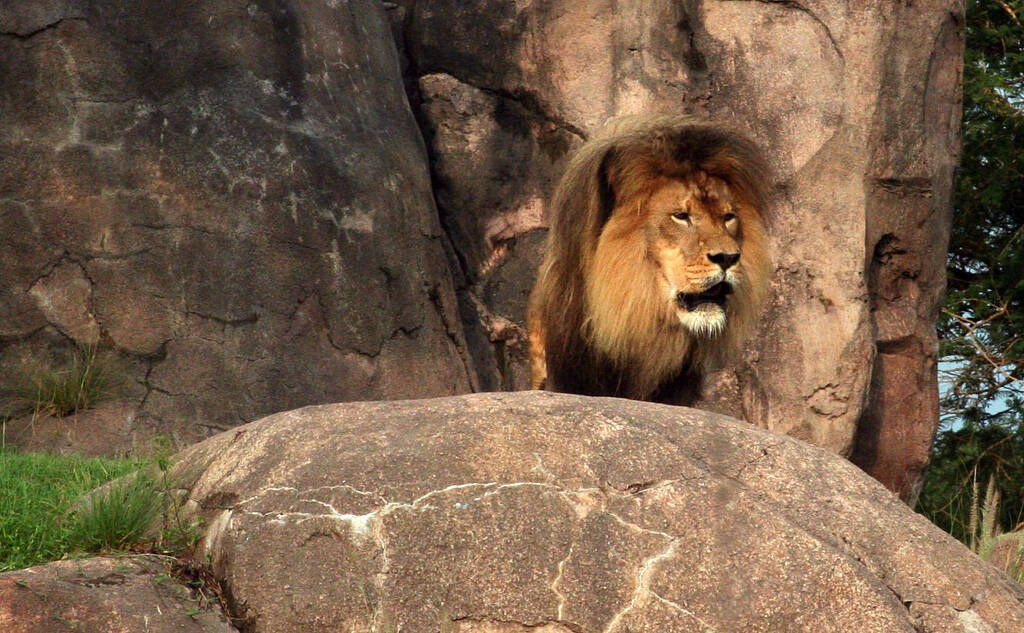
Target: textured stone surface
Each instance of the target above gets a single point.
(857, 105)
(105, 429)
(497, 158)
(536, 511)
(232, 195)
(132, 594)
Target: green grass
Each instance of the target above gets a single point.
(118, 516)
(36, 491)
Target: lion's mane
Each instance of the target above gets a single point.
(597, 324)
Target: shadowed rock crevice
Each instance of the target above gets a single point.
(792, 4)
(42, 29)
(469, 130)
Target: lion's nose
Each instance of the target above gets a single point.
(725, 260)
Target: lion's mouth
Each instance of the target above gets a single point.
(716, 294)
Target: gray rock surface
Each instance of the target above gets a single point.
(858, 106)
(232, 195)
(495, 165)
(125, 594)
(557, 513)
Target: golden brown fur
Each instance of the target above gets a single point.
(654, 220)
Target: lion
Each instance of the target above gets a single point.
(656, 263)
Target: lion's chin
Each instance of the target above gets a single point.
(702, 313)
(706, 320)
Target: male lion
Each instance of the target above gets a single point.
(656, 264)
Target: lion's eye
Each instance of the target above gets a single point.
(729, 217)
(681, 216)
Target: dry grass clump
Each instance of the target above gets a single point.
(1004, 550)
(86, 379)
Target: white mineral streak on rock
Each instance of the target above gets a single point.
(558, 579)
(642, 592)
(358, 221)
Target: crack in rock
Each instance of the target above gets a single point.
(792, 4)
(558, 579)
(249, 319)
(643, 579)
(47, 27)
(765, 453)
(707, 628)
(636, 528)
(525, 100)
(543, 624)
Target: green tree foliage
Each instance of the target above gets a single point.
(982, 325)
(967, 458)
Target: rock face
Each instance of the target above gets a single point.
(104, 595)
(557, 513)
(858, 106)
(234, 196)
(105, 429)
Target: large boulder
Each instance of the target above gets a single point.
(858, 106)
(231, 195)
(127, 594)
(507, 513)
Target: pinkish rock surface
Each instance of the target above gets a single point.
(551, 512)
(125, 594)
(858, 107)
(104, 429)
(235, 198)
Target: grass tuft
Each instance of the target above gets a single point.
(1009, 548)
(119, 515)
(987, 540)
(56, 506)
(59, 392)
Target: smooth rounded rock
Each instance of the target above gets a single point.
(508, 512)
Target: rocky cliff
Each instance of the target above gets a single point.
(858, 106)
(234, 197)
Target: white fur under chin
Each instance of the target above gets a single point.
(707, 321)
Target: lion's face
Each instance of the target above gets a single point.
(673, 260)
(693, 233)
